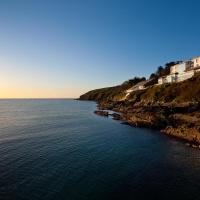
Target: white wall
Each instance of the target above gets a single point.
(169, 79)
(179, 68)
(160, 81)
(196, 61)
(185, 75)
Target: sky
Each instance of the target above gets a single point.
(62, 49)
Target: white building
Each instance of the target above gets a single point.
(178, 68)
(168, 79)
(196, 62)
(161, 80)
(186, 75)
(182, 71)
(175, 72)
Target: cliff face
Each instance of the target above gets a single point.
(172, 108)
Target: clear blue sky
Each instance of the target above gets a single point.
(64, 48)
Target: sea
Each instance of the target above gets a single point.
(58, 149)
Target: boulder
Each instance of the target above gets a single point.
(116, 116)
(101, 113)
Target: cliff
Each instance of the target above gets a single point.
(172, 108)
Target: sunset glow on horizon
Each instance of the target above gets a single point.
(62, 49)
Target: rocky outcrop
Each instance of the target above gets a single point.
(101, 113)
(191, 135)
(177, 120)
(185, 126)
(172, 108)
(116, 116)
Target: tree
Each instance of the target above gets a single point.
(153, 76)
(134, 81)
(160, 71)
(163, 71)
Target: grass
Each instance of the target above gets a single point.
(186, 91)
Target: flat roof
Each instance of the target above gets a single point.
(196, 57)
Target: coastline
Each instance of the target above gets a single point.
(174, 108)
(181, 121)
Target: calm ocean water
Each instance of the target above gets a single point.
(60, 150)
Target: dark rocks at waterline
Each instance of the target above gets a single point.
(178, 120)
(101, 113)
(191, 135)
(116, 116)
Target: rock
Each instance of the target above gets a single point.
(101, 113)
(177, 120)
(125, 123)
(116, 116)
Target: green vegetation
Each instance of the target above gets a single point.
(115, 93)
(163, 71)
(186, 91)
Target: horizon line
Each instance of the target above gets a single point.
(32, 98)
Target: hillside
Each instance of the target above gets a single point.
(186, 91)
(115, 93)
(172, 108)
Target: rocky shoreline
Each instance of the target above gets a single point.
(177, 120)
